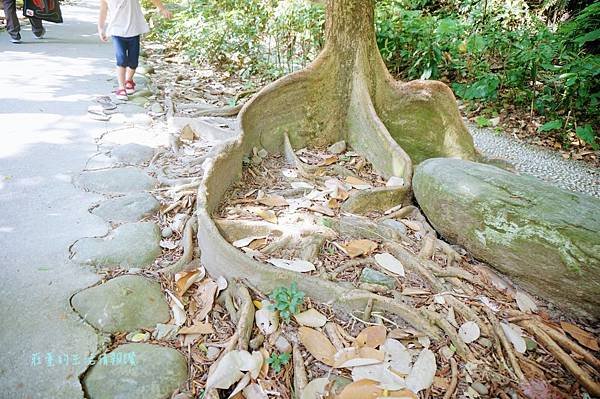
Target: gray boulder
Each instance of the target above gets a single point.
(123, 304)
(136, 371)
(129, 208)
(544, 238)
(129, 245)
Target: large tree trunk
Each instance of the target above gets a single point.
(346, 93)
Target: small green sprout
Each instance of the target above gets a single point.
(276, 361)
(287, 300)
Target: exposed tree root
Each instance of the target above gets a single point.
(583, 377)
(567, 343)
(453, 381)
(508, 348)
(187, 242)
(246, 316)
(300, 377)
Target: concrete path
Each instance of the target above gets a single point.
(45, 140)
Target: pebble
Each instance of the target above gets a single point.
(166, 232)
(283, 345)
(542, 163)
(480, 388)
(213, 353)
(156, 108)
(337, 148)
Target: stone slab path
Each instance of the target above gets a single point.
(48, 141)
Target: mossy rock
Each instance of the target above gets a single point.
(545, 238)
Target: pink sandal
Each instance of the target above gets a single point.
(130, 86)
(121, 94)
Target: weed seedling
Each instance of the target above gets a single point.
(287, 300)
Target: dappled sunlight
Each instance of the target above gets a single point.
(41, 128)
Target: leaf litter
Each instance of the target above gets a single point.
(408, 368)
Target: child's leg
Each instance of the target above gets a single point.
(133, 56)
(121, 56)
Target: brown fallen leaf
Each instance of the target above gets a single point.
(368, 389)
(318, 345)
(362, 389)
(357, 183)
(411, 224)
(205, 297)
(333, 203)
(184, 280)
(372, 337)
(583, 337)
(269, 215)
(339, 194)
(322, 210)
(273, 200)
(359, 247)
(199, 328)
(329, 161)
(258, 244)
(355, 357)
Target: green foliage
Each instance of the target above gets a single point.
(287, 300)
(278, 360)
(495, 51)
(483, 121)
(550, 126)
(586, 133)
(258, 37)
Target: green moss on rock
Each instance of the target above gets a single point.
(545, 238)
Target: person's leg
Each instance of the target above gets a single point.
(133, 56)
(121, 56)
(12, 21)
(37, 27)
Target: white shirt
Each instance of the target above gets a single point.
(126, 18)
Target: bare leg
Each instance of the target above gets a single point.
(129, 74)
(121, 77)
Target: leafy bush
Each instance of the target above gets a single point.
(494, 51)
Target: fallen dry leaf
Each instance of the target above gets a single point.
(244, 242)
(184, 280)
(422, 373)
(255, 391)
(363, 389)
(329, 161)
(266, 318)
(357, 183)
(469, 332)
(514, 335)
(179, 314)
(315, 389)
(380, 373)
(267, 215)
(205, 297)
(390, 263)
(583, 337)
(199, 328)
(318, 345)
(353, 357)
(525, 302)
(273, 200)
(397, 356)
(296, 265)
(411, 224)
(356, 248)
(339, 194)
(372, 336)
(240, 386)
(311, 318)
(323, 210)
(228, 371)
